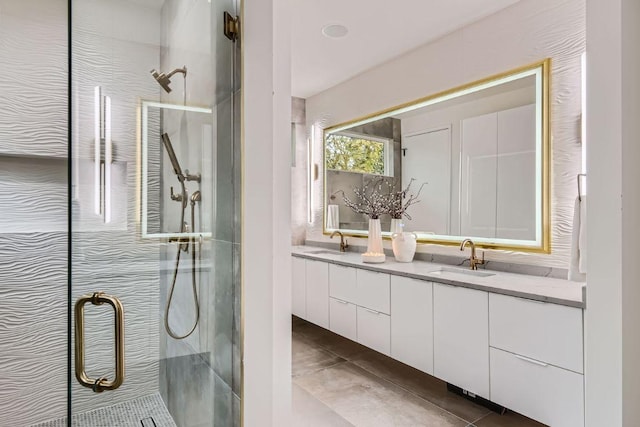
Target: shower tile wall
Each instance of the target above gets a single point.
(33, 220)
(114, 45)
(192, 37)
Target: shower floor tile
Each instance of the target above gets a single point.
(126, 414)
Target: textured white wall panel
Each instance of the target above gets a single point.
(114, 45)
(33, 88)
(33, 332)
(526, 32)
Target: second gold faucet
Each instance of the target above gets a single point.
(343, 242)
(473, 261)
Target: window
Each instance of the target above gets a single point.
(359, 153)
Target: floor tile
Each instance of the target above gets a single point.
(423, 385)
(310, 412)
(510, 419)
(334, 343)
(363, 399)
(308, 357)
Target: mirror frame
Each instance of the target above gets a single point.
(144, 166)
(543, 245)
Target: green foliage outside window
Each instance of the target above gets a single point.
(354, 154)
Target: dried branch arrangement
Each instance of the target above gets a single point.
(379, 196)
(370, 200)
(399, 201)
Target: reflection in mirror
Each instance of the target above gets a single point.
(480, 150)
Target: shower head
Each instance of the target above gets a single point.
(172, 156)
(164, 80)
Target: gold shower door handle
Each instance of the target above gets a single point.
(101, 383)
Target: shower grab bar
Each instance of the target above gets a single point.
(102, 383)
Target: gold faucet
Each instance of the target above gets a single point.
(473, 261)
(343, 243)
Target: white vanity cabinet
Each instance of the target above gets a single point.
(359, 306)
(461, 337)
(537, 359)
(317, 292)
(298, 288)
(343, 318)
(523, 354)
(412, 322)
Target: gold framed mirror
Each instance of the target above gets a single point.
(478, 156)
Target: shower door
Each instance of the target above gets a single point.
(154, 259)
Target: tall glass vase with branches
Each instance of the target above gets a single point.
(370, 200)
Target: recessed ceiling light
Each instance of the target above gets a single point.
(335, 31)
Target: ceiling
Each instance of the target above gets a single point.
(377, 33)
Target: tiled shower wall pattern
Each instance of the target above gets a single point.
(33, 220)
(211, 356)
(114, 45)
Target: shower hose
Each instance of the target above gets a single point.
(192, 242)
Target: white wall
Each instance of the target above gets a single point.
(266, 227)
(519, 35)
(612, 316)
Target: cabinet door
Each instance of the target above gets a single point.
(317, 277)
(412, 322)
(546, 393)
(374, 330)
(373, 290)
(461, 337)
(298, 288)
(547, 332)
(342, 283)
(342, 318)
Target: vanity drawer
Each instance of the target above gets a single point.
(374, 330)
(548, 394)
(342, 283)
(373, 290)
(547, 332)
(343, 318)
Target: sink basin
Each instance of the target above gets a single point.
(468, 272)
(325, 252)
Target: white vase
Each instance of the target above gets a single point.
(404, 246)
(375, 250)
(396, 225)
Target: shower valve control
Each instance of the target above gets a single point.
(176, 197)
(192, 177)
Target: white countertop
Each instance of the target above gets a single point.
(545, 289)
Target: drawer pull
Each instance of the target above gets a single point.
(371, 311)
(340, 301)
(535, 362)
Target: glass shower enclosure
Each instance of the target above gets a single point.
(119, 213)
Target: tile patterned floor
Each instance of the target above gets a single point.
(337, 382)
(127, 414)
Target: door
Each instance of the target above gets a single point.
(426, 158)
(154, 230)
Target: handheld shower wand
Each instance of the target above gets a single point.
(172, 156)
(184, 242)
